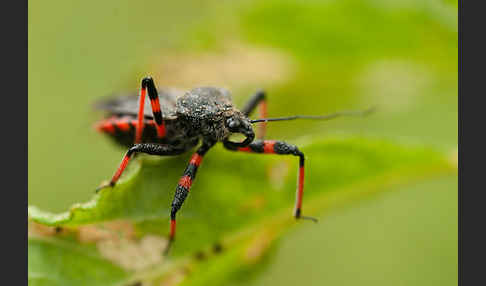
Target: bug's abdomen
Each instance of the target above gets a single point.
(122, 130)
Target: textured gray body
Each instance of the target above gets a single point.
(197, 114)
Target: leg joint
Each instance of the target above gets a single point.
(134, 149)
(285, 148)
(146, 81)
(173, 213)
(261, 94)
(301, 159)
(254, 101)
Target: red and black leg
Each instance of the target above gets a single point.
(148, 86)
(258, 99)
(183, 187)
(148, 148)
(280, 148)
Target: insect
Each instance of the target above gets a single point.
(170, 123)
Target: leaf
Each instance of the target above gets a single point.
(56, 262)
(240, 202)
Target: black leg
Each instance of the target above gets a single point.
(149, 86)
(183, 187)
(281, 148)
(148, 148)
(258, 99)
(250, 106)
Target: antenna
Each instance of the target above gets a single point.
(318, 117)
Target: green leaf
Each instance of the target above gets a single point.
(58, 262)
(240, 201)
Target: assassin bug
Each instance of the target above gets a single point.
(175, 122)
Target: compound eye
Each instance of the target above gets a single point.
(232, 124)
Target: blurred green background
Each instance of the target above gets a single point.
(312, 57)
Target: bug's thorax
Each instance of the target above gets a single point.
(207, 110)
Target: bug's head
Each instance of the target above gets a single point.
(237, 123)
